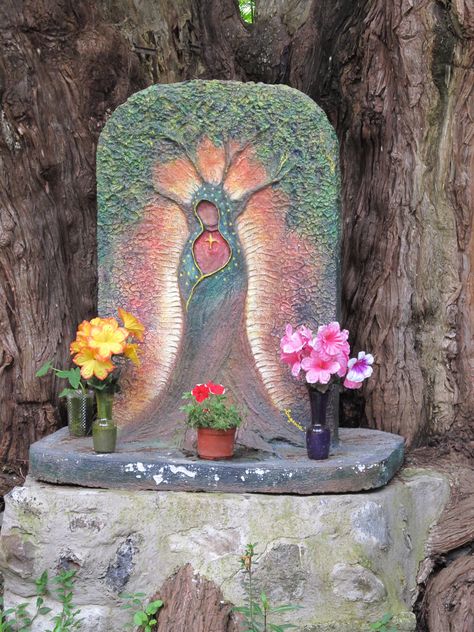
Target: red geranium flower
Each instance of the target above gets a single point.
(215, 389)
(200, 392)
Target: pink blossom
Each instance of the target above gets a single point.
(295, 346)
(318, 368)
(330, 340)
(360, 368)
(353, 385)
(305, 333)
(343, 359)
(292, 341)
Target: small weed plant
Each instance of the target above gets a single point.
(68, 617)
(20, 619)
(143, 615)
(384, 625)
(259, 615)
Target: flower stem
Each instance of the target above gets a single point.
(251, 598)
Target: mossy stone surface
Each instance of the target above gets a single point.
(346, 559)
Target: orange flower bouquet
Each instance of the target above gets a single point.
(100, 347)
(99, 342)
(97, 350)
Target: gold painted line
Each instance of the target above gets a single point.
(205, 276)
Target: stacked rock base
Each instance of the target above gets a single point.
(345, 559)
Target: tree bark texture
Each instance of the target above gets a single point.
(396, 80)
(192, 602)
(62, 70)
(445, 600)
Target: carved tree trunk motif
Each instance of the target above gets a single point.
(396, 80)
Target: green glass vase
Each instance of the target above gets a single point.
(104, 430)
(80, 412)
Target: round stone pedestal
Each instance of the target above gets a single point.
(364, 459)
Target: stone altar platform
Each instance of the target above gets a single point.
(346, 559)
(365, 459)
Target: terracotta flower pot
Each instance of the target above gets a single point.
(215, 444)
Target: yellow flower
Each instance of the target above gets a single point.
(130, 351)
(77, 346)
(84, 328)
(132, 324)
(91, 365)
(82, 335)
(107, 339)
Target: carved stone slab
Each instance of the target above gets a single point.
(218, 223)
(365, 459)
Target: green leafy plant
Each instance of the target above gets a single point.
(68, 618)
(73, 376)
(144, 616)
(247, 10)
(209, 408)
(383, 624)
(15, 619)
(18, 619)
(258, 615)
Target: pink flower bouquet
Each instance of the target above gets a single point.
(324, 357)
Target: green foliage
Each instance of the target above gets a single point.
(257, 615)
(144, 616)
(44, 369)
(18, 619)
(73, 376)
(67, 619)
(383, 625)
(110, 384)
(247, 10)
(213, 412)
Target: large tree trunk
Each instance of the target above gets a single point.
(62, 70)
(396, 80)
(65, 65)
(446, 577)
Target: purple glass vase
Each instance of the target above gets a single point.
(318, 440)
(318, 435)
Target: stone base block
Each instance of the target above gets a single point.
(344, 559)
